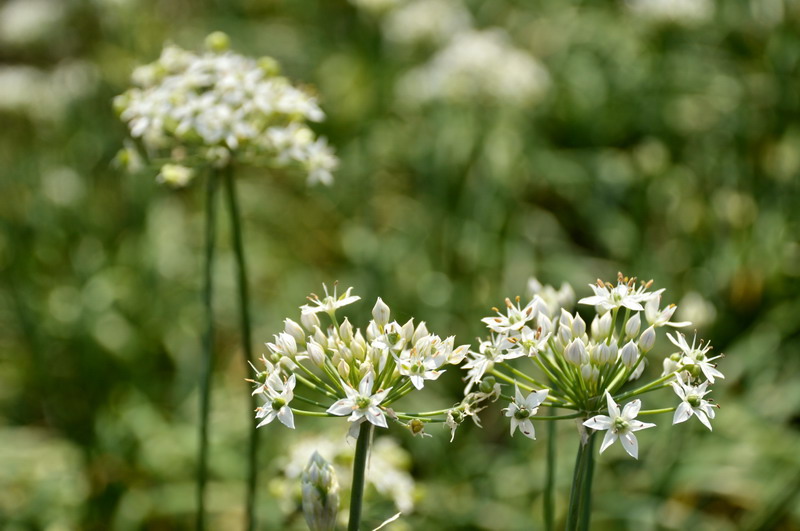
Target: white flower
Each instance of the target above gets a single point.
(277, 396)
(658, 317)
(607, 297)
(513, 321)
(692, 403)
(522, 409)
(417, 366)
(330, 303)
(696, 354)
(619, 425)
(362, 404)
(489, 352)
(175, 175)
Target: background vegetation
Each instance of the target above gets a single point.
(666, 144)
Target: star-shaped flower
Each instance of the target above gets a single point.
(620, 425)
(362, 404)
(522, 409)
(696, 354)
(277, 395)
(607, 297)
(693, 403)
(329, 303)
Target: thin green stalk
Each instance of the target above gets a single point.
(550, 477)
(208, 345)
(247, 349)
(359, 475)
(586, 505)
(580, 494)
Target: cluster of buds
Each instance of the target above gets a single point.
(354, 374)
(217, 107)
(586, 369)
(320, 494)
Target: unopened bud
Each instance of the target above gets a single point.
(372, 331)
(316, 353)
(344, 369)
(575, 353)
(407, 332)
(564, 334)
(358, 346)
(294, 330)
(309, 320)
(380, 312)
(286, 344)
(578, 326)
(629, 354)
(218, 42)
(320, 494)
(487, 385)
(633, 325)
(604, 325)
(647, 339)
(420, 332)
(346, 331)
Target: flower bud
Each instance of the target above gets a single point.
(629, 354)
(316, 353)
(346, 331)
(647, 339)
(564, 334)
(372, 331)
(286, 344)
(637, 372)
(380, 312)
(344, 369)
(358, 346)
(309, 320)
(589, 373)
(294, 330)
(407, 332)
(670, 366)
(578, 326)
(604, 325)
(487, 385)
(565, 319)
(575, 353)
(218, 42)
(633, 325)
(320, 494)
(320, 337)
(363, 369)
(420, 332)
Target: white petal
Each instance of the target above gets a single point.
(598, 422)
(701, 416)
(341, 407)
(375, 416)
(613, 408)
(630, 444)
(631, 409)
(608, 440)
(365, 387)
(526, 427)
(377, 398)
(286, 417)
(535, 399)
(269, 417)
(417, 380)
(633, 305)
(682, 413)
(518, 398)
(636, 425)
(514, 423)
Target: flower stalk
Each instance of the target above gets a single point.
(359, 475)
(247, 350)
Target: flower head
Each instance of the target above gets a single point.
(620, 425)
(277, 395)
(692, 403)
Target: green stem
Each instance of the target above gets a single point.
(359, 475)
(208, 346)
(549, 486)
(247, 350)
(580, 494)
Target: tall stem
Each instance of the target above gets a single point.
(359, 475)
(244, 314)
(208, 347)
(549, 485)
(580, 494)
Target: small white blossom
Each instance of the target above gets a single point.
(620, 425)
(696, 354)
(362, 404)
(692, 403)
(522, 409)
(329, 303)
(607, 297)
(658, 317)
(277, 396)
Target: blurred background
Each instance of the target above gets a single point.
(482, 143)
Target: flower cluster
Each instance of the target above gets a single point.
(585, 369)
(216, 107)
(358, 375)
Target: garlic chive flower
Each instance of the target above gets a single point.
(216, 107)
(620, 425)
(692, 403)
(342, 371)
(583, 365)
(522, 409)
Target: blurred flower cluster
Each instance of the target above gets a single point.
(584, 368)
(218, 107)
(359, 375)
(389, 475)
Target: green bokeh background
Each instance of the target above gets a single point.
(667, 149)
